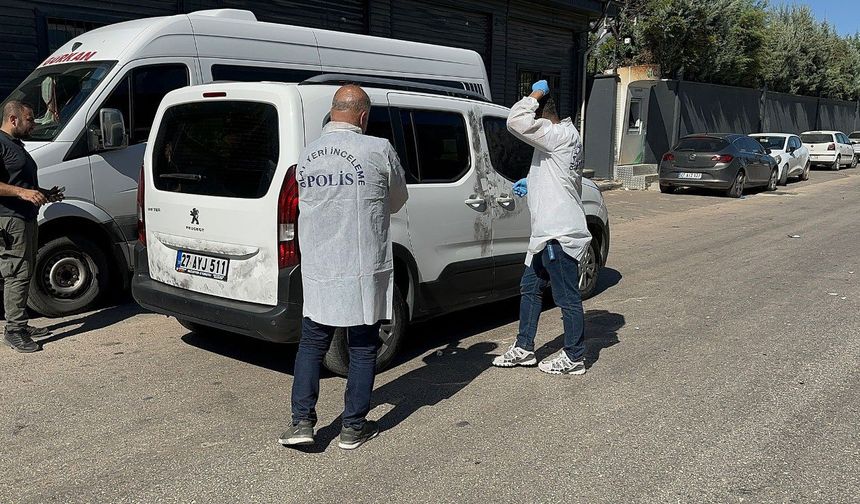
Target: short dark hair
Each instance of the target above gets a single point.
(546, 107)
(14, 108)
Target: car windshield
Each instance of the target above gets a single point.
(813, 138)
(701, 144)
(771, 142)
(56, 92)
(855, 135)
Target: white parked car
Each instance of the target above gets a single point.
(854, 137)
(829, 148)
(792, 157)
(218, 203)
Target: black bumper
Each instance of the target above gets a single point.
(280, 323)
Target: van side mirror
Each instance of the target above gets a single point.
(109, 133)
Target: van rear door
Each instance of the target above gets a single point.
(214, 170)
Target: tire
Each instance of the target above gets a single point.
(773, 180)
(835, 166)
(589, 271)
(72, 275)
(783, 180)
(805, 175)
(854, 161)
(666, 189)
(337, 358)
(737, 188)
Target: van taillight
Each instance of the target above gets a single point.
(668, 156)
(288, 221)
(141, 210)
(831, 147)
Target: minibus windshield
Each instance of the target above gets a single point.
(56, 92)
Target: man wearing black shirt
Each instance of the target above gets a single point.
(20, 199)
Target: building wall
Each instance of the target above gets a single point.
(515, 39)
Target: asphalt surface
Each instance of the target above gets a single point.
(723, 367)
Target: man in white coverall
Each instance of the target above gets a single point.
(349, 185)
(559, 237)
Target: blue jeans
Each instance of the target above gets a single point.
(363, 343)
(562, 271)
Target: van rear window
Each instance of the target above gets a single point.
(217, 148)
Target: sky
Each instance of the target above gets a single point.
(844, 14)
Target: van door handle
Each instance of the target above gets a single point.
(476, 203)
(506, 202)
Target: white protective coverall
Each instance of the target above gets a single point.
(349, 185)
(554, 185)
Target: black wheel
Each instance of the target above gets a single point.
(773, 180)
(783, 180)
(666, 189)
(589, 268)
(71, 275)
(737, 188)
(805, 174)
(854, 161)
(391, 334)
(835, 166)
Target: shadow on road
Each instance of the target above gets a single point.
(444, 374)
(91, 321)
(607, 279)
(601, 331)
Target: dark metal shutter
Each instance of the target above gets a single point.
(342, 15)
(431, 24)
(541, 48)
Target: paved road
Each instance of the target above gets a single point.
(723, 367)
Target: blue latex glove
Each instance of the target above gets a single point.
(542, 86)
(521, 188)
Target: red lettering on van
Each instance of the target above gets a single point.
(73, 56)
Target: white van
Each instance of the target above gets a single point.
(95, 99)
(219, 201)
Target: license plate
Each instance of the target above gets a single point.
(202, 265)
(690, 175)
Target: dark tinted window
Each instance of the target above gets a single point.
(816, 137)
(752, 146)
(701, 144)
(855, 135)
(149, 85)
(772, 142)
(140, 92)
(256, 74)
(217, 148)
(441, 145)
(379, 124)
(510, 156)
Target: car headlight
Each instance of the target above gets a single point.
(778, 158)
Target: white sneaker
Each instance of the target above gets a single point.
(515, 356)
(560, 363)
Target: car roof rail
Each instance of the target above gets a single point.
(397, 84)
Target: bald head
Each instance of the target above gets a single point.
(351, 105)
(18, 120)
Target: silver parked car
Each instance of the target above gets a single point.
(724, 161)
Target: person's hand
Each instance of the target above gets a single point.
(521, 188)
(32, 196)
(54, 194)
(540, 86)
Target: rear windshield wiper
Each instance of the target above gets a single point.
(182, 176)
